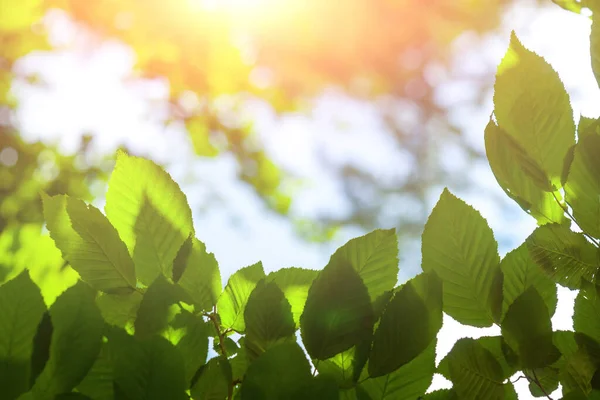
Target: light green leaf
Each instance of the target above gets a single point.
(569, 5)
(459, 246)
(90, 244)
(567, 257)
(595, 46)
(527, 329)
(156, 308)
(151, 214)
(21, 310)
(502, 151)
(338, 312)
(582, 190)
(375, 257)
(119, 309)
(475, 372)
(197, 272)
(533, 107)
(586, 317)
(268, 319)
(214, 382)
(294, 282)
(150, 369)
(587, 126)
(407, 382)
(278, 373)
(408, 325)
(520, 273)
(75, 344)
(232, 302)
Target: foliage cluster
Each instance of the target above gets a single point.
(147, 304)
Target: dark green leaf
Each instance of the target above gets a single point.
(268, 318)
(21, 310)
(338, 312)
(546, 381)
(75, 344)
(459, 246)
(586, 317)
(565, 255)
(409, 324)
(407, 382)
(319, 387)
(157, 307)
(98, 383)
(475, 372)
(119, 309)
(214, 382)
(233, 300)
(193, 346)
(150, 369)
(527, 329)
(278, 373)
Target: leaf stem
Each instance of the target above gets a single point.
(538, 383)
(566, 210)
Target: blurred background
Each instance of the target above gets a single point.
(292, 126)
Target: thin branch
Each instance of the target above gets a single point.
(566, 210)
(537, 383)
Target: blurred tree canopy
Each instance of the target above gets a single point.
(281, 52)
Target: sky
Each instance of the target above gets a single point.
(92, 91)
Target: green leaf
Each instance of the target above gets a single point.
(533, 107)
(240, 362)
(582, 190)
(98, 383)
(214, 382)
(375, 257)
(595, 46)
(197, 272)
(407, 382)
(156, 308)
(151, 214)
(278, 373)
(569, 5)
(119, 309)
(268, 319)
(586, 317)
(75, 344)
(408, 325)
(232, 301)
(527, 329)
(346, 367)
(294, 282)
(441, 394)
(567, 257)
(547, 381)
(459, 246)
(338, 312)
(193, 346)
(475, 372)
(520, 273)
(21, 310)
(587, 126)
(90, 244)
(230, 345)
(523, 188)
(150, 369)
(319, 387)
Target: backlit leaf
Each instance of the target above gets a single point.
(214, 382)
(586, 317)
(459, 246)
(567, 257)
(150, 213)
(533, 107)
(90, 244)
(294, 282)
(234, 298)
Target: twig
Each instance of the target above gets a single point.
(538, 384)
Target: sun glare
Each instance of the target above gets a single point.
(232, 6)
